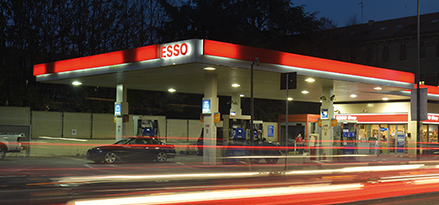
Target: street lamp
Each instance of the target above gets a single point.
(252, 108)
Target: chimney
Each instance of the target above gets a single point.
(371, 22)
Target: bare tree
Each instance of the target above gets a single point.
(353, 20)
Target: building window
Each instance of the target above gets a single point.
(437, 48)
(403, 52)
(369, 54)
(422, 50)
(386, 54)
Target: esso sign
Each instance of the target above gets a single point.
(175, 50)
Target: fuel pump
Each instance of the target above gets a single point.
(146, 127)
(345, 135)
(243, 143)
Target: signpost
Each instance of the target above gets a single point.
(288, 81)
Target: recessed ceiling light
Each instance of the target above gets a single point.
(235, 85)
(76, 83)
(209, 68)
(305, 91)
(353, 96)
(241, 95)
(290, 99)
(171, 90)
(378, 88)
(385, 99)
(310, 80)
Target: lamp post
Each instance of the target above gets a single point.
(252, 108)
(418, 95)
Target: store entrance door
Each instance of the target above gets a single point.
(392, 137)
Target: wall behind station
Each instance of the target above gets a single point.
(46, 124)
(103, 126)
(77, 125)
(93, 125)
(14, 115)
(85, 130)
(177, 130)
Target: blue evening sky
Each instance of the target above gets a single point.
(341, 10)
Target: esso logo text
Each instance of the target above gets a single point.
(175, 50)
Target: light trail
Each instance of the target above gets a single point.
(218, 195)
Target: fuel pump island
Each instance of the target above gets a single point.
(244, 145)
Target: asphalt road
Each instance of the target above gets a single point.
(418, 199)
(35, 180)
(56, 180)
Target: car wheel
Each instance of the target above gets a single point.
(255, 160)
(110, 158)
(271, 160)
(2, 153)
(162, 157)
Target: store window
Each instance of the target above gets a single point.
(383, 132)
(375, 132)
(393, 136)
(384, 138)
(432, 133)
(424, 137)
(362, 133)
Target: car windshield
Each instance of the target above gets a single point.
(124, 141)
(154, 141)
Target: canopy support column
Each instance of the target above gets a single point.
(209, 140)
(121, 109)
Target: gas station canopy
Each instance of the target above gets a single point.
(182, 66)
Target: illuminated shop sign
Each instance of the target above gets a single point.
(433, 118)
(346, 117)
(383, 118)
(175, 50)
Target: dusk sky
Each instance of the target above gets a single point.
(341, 10)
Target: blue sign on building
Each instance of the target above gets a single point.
(206, 106)
(270, 131)
(324, 114)
(117, 110)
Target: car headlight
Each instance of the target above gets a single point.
(99, 150)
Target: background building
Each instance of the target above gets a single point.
(389, 44)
